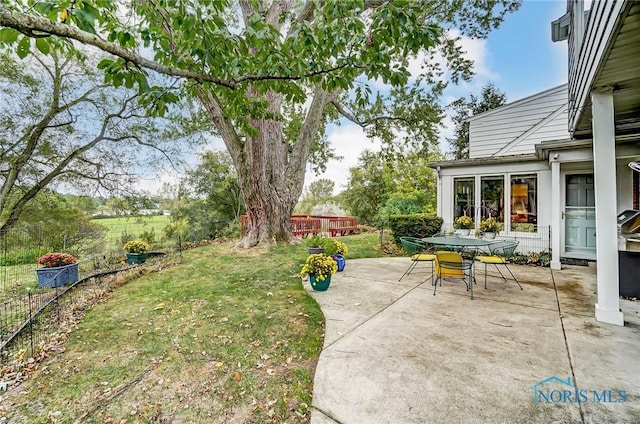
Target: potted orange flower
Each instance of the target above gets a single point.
(57, 269)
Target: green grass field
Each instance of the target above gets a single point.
(134, 226)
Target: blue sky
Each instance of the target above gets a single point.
(519, 58)
(522, 54)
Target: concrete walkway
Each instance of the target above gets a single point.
(395, 353)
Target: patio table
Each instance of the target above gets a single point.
(459, 244)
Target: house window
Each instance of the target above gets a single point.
(492, 198)
(463, 199)
(524, 203)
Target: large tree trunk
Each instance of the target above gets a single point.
(270, 176)
(267, 196)
(270, 192)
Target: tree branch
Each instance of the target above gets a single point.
(347, 114)
(225, 126)
(26, 24)
(310, 126)
(61, 167)
(362, 123)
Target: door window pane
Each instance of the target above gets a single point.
(492, 197)
(463, 197)
(580, 190)
(524, 203)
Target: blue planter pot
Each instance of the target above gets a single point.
(319, 285)
(57, 276)
(341, 261)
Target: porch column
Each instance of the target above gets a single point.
(556, 221)
(604, 172)
(439, 210)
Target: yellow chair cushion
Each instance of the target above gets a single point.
(491, 259)
(423, 257)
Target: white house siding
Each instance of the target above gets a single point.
(517, 127)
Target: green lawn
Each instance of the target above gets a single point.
(226, 335)
(132, 225)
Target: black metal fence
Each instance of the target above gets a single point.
(29, 313)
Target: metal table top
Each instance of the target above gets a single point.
(457, 241)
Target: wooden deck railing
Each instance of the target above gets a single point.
(342, 225)
(303, 225)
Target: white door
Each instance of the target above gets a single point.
(580, 217)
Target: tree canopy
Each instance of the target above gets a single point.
(382, 185)
(61, 125)
(490, 98)
(253, 63)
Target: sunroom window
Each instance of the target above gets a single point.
(492, 198)
(463, 197)
(524, 203)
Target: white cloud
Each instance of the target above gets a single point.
(476, 50)
(349, 141)
(153, 183)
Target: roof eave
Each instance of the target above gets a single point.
(460, 163)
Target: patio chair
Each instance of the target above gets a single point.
(501, 253)
(419, 252)
(451, 264)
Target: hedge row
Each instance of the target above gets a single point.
(21, 257)
(415, 225)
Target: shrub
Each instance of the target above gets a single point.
(416, 225)
(403, 204)
(21, 257)
(148, 235)
(532, 258)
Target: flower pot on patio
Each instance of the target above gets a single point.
(340, 261)
(57, 276)
(489, 235)
(319, 285)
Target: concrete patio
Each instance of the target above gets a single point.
(395, 353)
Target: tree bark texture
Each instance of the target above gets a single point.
(270, 175)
